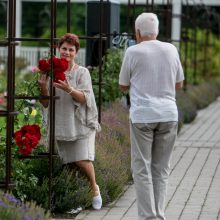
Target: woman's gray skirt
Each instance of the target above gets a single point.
(82, 149)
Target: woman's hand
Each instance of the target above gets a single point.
(77, 95)
(42, 81)
(63, 85)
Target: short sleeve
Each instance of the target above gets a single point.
(180, 74)
(124, 76)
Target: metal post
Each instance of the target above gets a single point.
(10, 88)
(52, 104)
(68, 15)
(100, 56)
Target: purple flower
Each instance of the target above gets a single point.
(2, 204)
(25, 217)
(24, 207)
(11, 198)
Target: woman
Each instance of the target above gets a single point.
(76, 114)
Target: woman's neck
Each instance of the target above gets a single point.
(72, 65)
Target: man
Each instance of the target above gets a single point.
(151, 71)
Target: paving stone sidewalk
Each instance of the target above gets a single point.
(194, 183)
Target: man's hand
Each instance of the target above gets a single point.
(124, 88)
(179, 85)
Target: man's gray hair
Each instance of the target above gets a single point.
(147, 24)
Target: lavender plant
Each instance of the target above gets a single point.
(12, 208)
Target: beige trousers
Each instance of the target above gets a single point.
(151, 148)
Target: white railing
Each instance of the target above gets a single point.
(33, 54)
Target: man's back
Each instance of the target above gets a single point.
(154, 68)
(151, 69)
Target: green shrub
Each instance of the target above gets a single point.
(110, 72)
(12, 208)
(206, 63)
(70, 189)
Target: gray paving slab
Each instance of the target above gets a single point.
(194, 183)
(201, 122)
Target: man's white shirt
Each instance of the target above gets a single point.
(152, 69)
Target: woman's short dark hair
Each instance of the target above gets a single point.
(71, 39)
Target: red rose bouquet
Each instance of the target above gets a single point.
(60, 65)
(27, 138)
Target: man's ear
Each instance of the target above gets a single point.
(138, 35)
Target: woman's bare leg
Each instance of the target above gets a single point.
(87, 167)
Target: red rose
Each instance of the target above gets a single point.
(19, 142)
(18, 138)
(31, 129)
(30, 140)
(65, 64)
(25, 129)
(27, 138)
(25, 151)
(37, 131)
(18, 134)
(60, 65)
(44, 65)
(59, 76)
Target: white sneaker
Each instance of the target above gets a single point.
(75, 211)
(97, 200)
